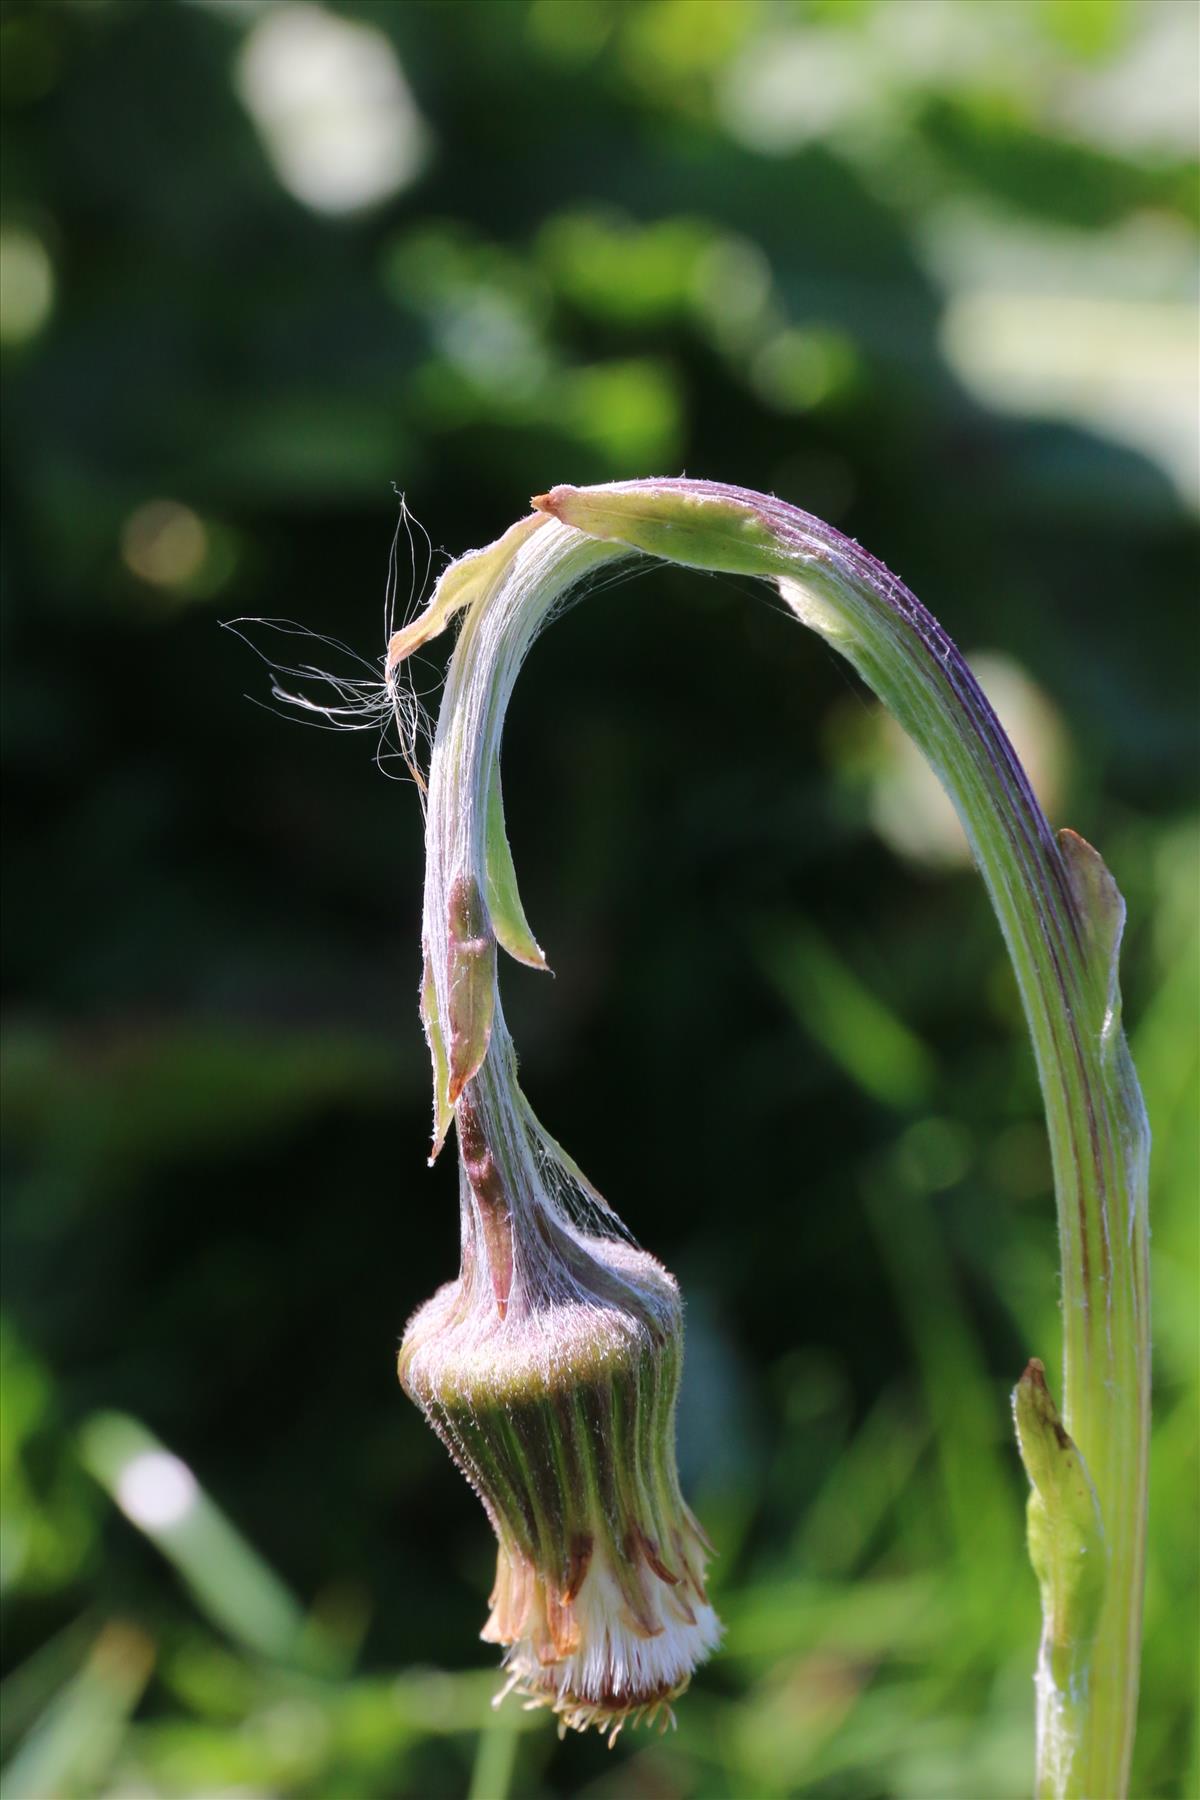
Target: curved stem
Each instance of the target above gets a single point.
(1061, 917)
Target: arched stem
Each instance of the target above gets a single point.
(1061, 916)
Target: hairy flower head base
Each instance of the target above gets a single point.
(550, 1368)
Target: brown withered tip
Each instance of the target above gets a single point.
(1035, 1374)
(544, 502)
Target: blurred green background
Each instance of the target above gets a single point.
(926, 269)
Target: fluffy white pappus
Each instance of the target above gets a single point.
(345, 691)
(617, 1675)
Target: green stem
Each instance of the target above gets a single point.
(1061, 917)
(495, 1758)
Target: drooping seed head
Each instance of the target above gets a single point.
(559, 1410)
(550, 1368)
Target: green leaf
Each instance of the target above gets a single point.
(443, 1111)
(503, 899)
(460, 585)
(1066, 1532)
(705, 532)
(1103, 912)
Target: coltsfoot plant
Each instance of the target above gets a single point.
(550, 1367)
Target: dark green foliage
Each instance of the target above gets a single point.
(792, 1058)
